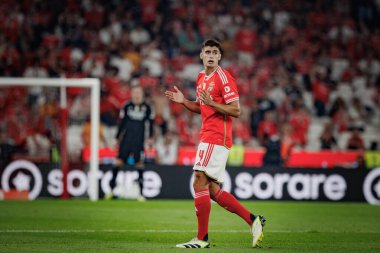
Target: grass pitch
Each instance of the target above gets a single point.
(157, 225)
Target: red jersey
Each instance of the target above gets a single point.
(217, 127)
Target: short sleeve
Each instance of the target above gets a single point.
(150, 114)
(229, 88)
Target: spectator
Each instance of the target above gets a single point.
(287, 142)
(370, 65)
(93, 64)
(267, 127)
(152, 58)
(241, 130)
(327, 138)
(147, 81)
(150, 152)
(86, 134)
(320, 94)
(80, 108)
(35, 70)
(300, 121)
(109, 102)
(148, 11)
(139, 36)
(189, 39)
(357, 112)
(339, 115)
(255, 118)
(369, 97)
(341, 119)
(124, 66)
(17, 126)
(292, 89)
(245, 40)
(38, 144)
(133, 54)
(355, 141)
(265, 104)
(167, 149)
(108, 110)
(276, 92)
(236, 155)
(272, 156)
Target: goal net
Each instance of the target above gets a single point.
(54, 97)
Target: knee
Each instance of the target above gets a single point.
(200, 181)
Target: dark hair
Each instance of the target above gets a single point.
(213, 43)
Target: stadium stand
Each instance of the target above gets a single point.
(308, 62)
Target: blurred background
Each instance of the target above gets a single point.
(307, 72)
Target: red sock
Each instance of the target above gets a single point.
(202, 204)
(230, 203)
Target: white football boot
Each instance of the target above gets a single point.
(257, 231)
(194, 243)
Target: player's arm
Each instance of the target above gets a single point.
(178, 97)
(123, 119)
(122, 124)
(150, 119)
(231, 109)
(192, 106)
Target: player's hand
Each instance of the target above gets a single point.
(205, 97)
(176, 96)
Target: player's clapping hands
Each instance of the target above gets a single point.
(176, 96)
(205, 97)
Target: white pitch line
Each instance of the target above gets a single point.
(120, 231)
(157, 231)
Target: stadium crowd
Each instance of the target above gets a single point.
(307, 70)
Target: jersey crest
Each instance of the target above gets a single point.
(211, 87)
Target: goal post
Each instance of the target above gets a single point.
(94, 85)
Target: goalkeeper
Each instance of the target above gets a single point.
(136, 118)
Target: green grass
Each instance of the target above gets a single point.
(156, 226)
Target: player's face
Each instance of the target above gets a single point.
(210, 56)
(137, 95)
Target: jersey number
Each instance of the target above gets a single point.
(201, 153)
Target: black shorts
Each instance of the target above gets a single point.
(125, 151)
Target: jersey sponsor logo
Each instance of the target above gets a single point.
(229, 94)
(137, 113)
(26, 176)
(125, 186)
(298, 186)
(22, 174)
(371, 187)
(231, 100)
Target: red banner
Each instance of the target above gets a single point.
(253, 157)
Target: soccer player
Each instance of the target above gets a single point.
(131, 134)
(217, 101)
